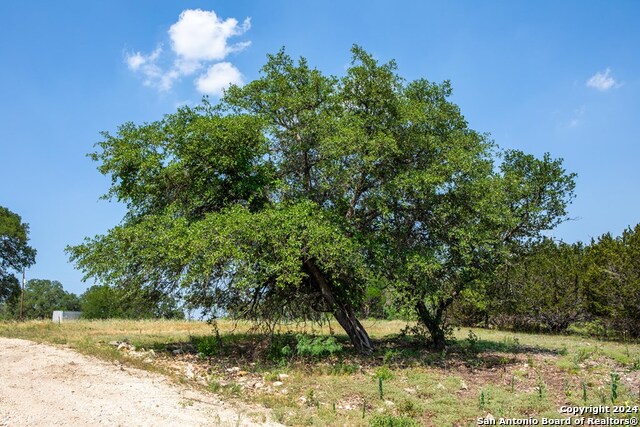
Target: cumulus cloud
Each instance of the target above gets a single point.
(602, 81)
(217, 78)
(199, 35)
(198, 39)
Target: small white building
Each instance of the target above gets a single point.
(63, 316)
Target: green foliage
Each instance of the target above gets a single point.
(208, 346)
(383, 373)
(42, 297)
(615, 380)
(281, 347)
(316, 346)
(9, 296)
(388, 420)
(341, 368)
(300, 194)
(107, 302)
(15, 254)
(540, 289)
(612, 281)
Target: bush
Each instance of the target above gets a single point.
(208, 346)
(318, 346)
(392, 421)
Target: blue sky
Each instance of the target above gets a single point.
(544, 76)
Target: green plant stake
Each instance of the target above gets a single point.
(380, 386)
(513, 380)
(364, 407)
(482, 399)
(614, 386)
(584, 392)
(334, 407)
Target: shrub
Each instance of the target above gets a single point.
(318, 346)
(387, 420)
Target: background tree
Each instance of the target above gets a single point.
(299, 194)
(612, 281)
(42, 297)
(15, 255)
(540, 290)
(106, 302)
(9, 297)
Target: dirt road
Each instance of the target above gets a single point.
(42, 385)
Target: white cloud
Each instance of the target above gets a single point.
(199, 35)
(146, 65)
(198, 39)
(217, 78)
(602, 81)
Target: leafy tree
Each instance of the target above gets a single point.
(300, 192)
(542, 289)
(106, 302)
(42, 297)
(612, 281)
(9, 296)
(15, 253)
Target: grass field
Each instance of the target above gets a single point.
(316, 380)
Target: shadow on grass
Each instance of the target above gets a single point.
(266, 351)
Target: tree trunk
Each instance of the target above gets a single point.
(341, 311)
(433, 322)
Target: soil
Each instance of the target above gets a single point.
(43, 385)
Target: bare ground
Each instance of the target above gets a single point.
(42, 385)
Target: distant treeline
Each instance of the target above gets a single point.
(554, 287)
(42, 297)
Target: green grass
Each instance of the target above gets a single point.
(312, 380)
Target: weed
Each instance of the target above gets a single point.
(215, 386)
(582, 354)
(389, 355)
(566, 386)
(511, 344)
(341, 368)
(563, 350)
(233, 389)
(280, 348)
(271, 376)
(541, 386)
(318, 346)
(310, 398)
(208, 346)
(473, 341)
(383, 373)
(409, 408)
(387, 420)
(530, 361)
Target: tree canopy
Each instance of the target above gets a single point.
(298, 191)
(15, 253)
(106, 302)
(42, 297)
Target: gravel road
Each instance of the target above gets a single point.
(43, 385)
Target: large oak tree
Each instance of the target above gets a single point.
(296, 191)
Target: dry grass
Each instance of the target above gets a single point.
(485, 372)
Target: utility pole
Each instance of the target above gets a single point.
(22, 295)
